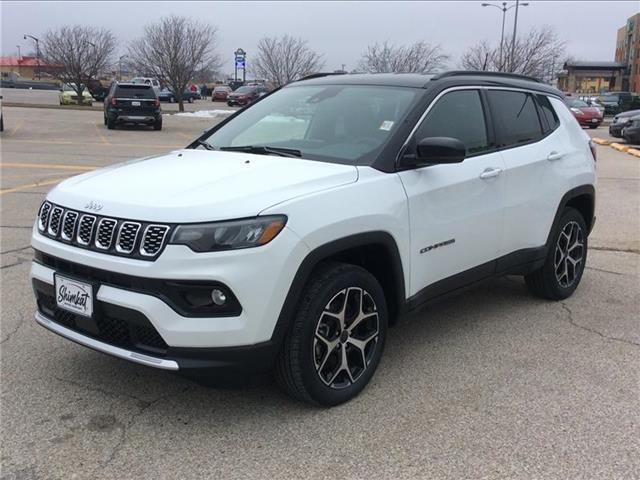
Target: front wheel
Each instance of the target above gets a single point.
(593, 126)
(562, 271)
(337, 338)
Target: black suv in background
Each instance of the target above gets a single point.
(132, 103)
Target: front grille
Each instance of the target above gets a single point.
(118, 326)
(54, 221)
(43, 216)
(86, 229)
(106, 228)
(127, 237)
(114, 236)
(69, 225)
(154, 236)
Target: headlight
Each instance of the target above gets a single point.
(210, 237)
(577, 111)
(636, 123)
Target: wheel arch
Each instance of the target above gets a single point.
(583, 199)
(375, 251)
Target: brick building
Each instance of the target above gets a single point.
(628, 51)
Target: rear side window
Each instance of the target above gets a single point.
(515, 116)
(459, 115)
(548, 113)
(134, 91)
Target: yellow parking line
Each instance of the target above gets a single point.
(104, 140)
(47, 166)
(31, 185)
(17, 127)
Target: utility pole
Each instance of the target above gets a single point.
(504, 9)
(515, 32)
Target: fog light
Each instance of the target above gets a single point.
(218, 297)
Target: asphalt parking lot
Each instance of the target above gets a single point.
(490, 384)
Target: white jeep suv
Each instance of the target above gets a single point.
(289, 237)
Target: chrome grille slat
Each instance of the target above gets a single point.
(68, 225)
(104, 233)
(127, 236)
(43, 216)
(54, 221)
(112, 236)
(153, 239)
(85, 230)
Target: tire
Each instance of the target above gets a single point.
(568, 250)
(172, 100)
(111, 123)
(157, 125)
(190, 100)
(311, 363)
(593, 126)
(105, 119)
(1, 123)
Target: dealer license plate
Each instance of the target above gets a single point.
(74, 296)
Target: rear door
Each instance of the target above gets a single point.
(529, 139)
(456, 210)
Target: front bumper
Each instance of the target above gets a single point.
(192, 342)
(615, 129)
(632, 134)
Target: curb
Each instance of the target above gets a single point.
(601, 141)
(634, 151)
(620, 147)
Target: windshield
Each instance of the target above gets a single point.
(70, 87)
(609, 98)
(341, 123)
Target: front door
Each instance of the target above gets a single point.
(455, 210)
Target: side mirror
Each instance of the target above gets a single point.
(435, 151)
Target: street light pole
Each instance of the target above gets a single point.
(37, 52)
(504, 9)
(515, 31)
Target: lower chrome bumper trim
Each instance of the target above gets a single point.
(105, 347)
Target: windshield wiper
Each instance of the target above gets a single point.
(206, 145)
(264, 150)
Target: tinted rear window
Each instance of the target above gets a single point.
(134, 91)
(516, 117)
(548, 113)
(246, 90)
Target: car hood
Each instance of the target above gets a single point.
(625, 115)
(591, 111)
(198, 185)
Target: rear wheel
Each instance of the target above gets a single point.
(337, 337)
(111, 123)
(563, 268)
(190, 100)
(157, 125)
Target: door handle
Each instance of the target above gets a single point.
(553, 156)
(490, 173)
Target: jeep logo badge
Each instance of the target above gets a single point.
(95, 206)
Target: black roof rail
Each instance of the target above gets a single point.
(463, 73)
(320, 74)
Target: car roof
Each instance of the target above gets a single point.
(428, 81)
(133, 85)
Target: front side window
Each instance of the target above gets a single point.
(341, 123)
(516, 117)
(460, 115)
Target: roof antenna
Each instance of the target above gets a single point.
(486, 58)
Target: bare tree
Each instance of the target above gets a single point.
(173, 50)
(285, 59)
(76, 54)
(539, 53)
(418, 57)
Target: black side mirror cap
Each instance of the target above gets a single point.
(435, 151)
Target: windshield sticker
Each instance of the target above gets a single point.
(386, 125)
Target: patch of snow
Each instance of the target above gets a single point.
(205, 113)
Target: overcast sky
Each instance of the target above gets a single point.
(339, 30)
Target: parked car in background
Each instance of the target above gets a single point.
(135, 103)
(68, 96)
(245, 95)
(585, 115)
(615, 102)
(220, 93)
(593, 102)
(631, 130)
(621, 121)
(148, 81)
(166, 95)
